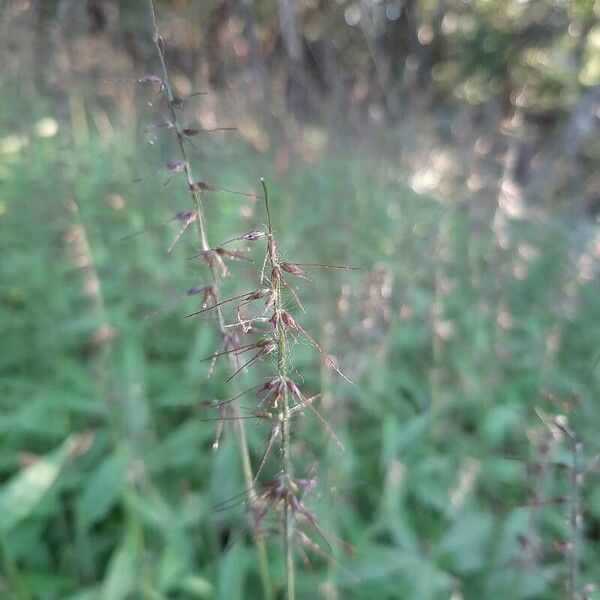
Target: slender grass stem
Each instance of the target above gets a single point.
(575, 519)
(284, 409)
(196, 195)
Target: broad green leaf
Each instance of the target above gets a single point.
(25, 491)
(102, 488)
(121, 575)
(232, 572)
(197, 587)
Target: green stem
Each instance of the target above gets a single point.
(574, 520)
(284, 410)
(284, 416)
(204, 245)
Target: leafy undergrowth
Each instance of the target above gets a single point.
(109, 483)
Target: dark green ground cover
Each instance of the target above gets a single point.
(451, 357)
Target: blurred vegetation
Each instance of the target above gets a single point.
(446, 148)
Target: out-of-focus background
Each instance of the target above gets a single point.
(450, 149)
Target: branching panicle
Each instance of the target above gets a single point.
(215, 263)
(280, 398)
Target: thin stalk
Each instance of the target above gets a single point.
(284, 409)
(13, 575)
(196, 195)
(575, 519)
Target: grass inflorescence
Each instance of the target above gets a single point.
(272, 329)
(108, 485)
(214, 261)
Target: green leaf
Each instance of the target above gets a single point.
(197, 587)
(232, 572)
(102, 488)
(44, 583)
(121, 574)
(89, 594)
(465, 544)
(155, 512)
(20, 497)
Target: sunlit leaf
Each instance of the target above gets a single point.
(20, 497)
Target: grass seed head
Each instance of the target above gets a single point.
(197, 289)
(253, 235)
(289, 321)
(292, 269)
(293, 389)
(176, 166)
(202, 186)
(185, 215)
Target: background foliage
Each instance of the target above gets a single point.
(448, 150)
